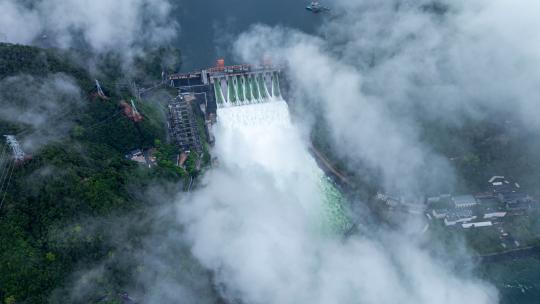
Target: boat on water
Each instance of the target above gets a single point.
(316, 7)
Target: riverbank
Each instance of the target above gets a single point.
(328, 168)
(510, 254)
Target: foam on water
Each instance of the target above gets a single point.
(261, 135)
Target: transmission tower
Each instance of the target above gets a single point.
(135, 112)
(99, 90)
(18, 153)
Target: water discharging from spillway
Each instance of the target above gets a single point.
(261, 135)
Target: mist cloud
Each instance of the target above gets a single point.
(123, 26)
(363, 126)
(44, 109)
(256, 224)
(471, 60)
(384, 68)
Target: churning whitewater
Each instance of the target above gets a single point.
(263, 135)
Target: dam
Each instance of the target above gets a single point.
(253, 118)
(246, 86)
(224, 86)
(217, 87)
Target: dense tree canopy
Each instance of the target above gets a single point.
(44, 229)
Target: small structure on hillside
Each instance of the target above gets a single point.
(143, 157)
(131, 111)
(136, 155)
(410, 205)
(181, 159)
(502, 198)
(477, 224)
(500, 184)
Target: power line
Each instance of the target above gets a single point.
(4, 172)
(18, 155)
(7, 185)
(3, 155)
(8, 168)
(103, 121)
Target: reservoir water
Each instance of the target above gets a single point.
(208, 27)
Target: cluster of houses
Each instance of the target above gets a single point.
(143, 157)
(503, 197)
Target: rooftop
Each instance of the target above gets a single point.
(464, 200)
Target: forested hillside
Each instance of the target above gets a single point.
(77, 171)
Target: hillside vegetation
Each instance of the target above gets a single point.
(79, 174)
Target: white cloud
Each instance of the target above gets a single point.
(43, 108)
(256, 224)
(121, 25)
(17, 24)
(364, 126)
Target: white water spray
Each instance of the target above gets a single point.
(262, 135)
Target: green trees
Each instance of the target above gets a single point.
(47, 223)
(165, 156)
(155, 61)
(20, 59)
(191, 164)
(9, 300)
